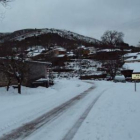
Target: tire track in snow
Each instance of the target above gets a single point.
(27, 129)
(70, 134)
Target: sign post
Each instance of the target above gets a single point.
(136, 76)
(135, 85)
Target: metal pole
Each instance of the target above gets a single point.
(48, 77)
(135, 85)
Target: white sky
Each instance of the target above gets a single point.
(88, 17)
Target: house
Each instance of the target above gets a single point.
(57, 51)
(92, 50)
(86, 52)
(37, 70)
(70, 55)
(82, 51)
(127, 72)
(34, 70)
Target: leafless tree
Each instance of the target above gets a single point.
(112, 67)
(138, 44)
(13, 66)
(4, 2)
(112, 38)
(14, 69)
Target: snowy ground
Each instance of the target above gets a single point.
(115, 116)
(16, 109)
(114, 111)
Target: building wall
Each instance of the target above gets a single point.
(3, 79)
(35, 71)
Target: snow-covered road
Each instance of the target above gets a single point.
(29, 128)
(17, 110)
(66, 124)
(68, 111)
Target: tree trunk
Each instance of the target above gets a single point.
(9, 82)
(19, 86)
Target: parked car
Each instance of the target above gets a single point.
(119, 78)
(42, 82)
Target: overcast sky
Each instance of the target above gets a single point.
(87, 17)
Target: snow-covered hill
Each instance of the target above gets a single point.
(25, 33)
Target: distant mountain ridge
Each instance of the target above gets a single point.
(26, 33)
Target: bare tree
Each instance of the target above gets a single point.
(13, 66)
(14, 69)
(112, 38)
(4, 2)
(138, 44)
(112, 67)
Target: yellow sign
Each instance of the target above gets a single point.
(136, 76)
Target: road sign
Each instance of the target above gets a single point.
(136, 76)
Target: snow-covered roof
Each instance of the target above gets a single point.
(91, 48)
(35, 50)
(83, 47)
(60, 49)
(133, 66)
(30, 54)
(134, 58)
(92, 53)
(130, 54)
(71, 54)
(40, 62)
(41, 79)
(61, 55)
(108, 50)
